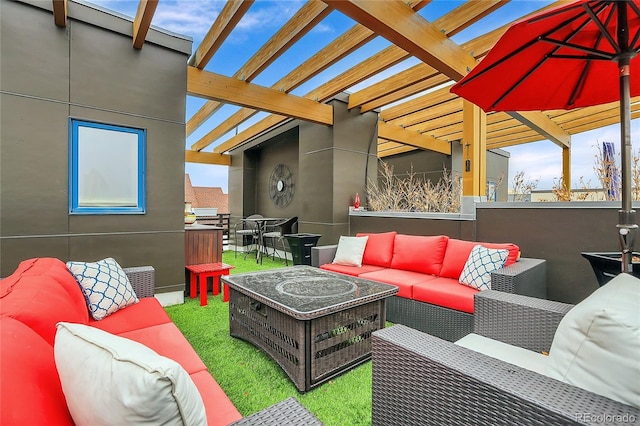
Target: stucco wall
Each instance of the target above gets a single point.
(88, 70)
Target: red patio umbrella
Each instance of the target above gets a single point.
(563, 58)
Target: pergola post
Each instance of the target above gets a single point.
(566, 168)
(474, 151)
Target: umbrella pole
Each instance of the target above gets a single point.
(627, 227)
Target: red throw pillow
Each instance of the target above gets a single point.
(379, 248)
(419, 253)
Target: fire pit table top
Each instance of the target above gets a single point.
(305, 292)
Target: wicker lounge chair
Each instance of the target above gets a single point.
(419, 379)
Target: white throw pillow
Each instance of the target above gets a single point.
(480, 263)
(110, 380)
(350, 251)
(105, 286)
(597, 343)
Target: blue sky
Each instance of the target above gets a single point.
(540, 160)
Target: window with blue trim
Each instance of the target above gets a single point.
(107, 168)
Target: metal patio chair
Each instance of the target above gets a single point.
(247, 229)
(275, 234)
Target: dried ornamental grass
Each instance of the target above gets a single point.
(413, 193)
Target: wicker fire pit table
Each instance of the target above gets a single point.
(315, 324)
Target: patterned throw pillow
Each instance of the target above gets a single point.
(105, 286)
(481, 262)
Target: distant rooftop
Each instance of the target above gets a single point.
(205, 196)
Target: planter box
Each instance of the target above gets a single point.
(608, 265)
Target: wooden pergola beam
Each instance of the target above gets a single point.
(208, 85)
(415, 105)
(360, 72)
(142, 21)
(415, 139)
(402, 26)
(60, 13)
(226, 21)
(349, 41)
(330, 54)
(543, 125)
(301, 23)
(207, 158)
(393, 150)
(250, 132)
(450, 24)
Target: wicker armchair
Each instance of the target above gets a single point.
(419, 379)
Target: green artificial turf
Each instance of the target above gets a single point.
(250, 378)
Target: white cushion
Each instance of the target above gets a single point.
(105, 285)
(515, 355)
(110, 380)
(480, 263)
(350, 251)
(597, 344)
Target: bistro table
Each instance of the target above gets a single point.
(260, 224)
(315, 324)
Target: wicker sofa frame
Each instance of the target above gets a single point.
(526, 277)
(420, 379)
(142, 279)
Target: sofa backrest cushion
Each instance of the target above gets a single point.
(596, 344)
(41, 295)
(30, 387)
(458, 252)
(419, 253)
(379, 248)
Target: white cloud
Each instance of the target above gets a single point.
(273, 15)
(193, 18)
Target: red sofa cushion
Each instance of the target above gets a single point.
(40, 294)
(350, 270)
(445, 292)
(458, 252)
(167, 340)
(404, 280)
(30, 387)
(218, 406)
(419, 253)
(146, 313)
(379, 248)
